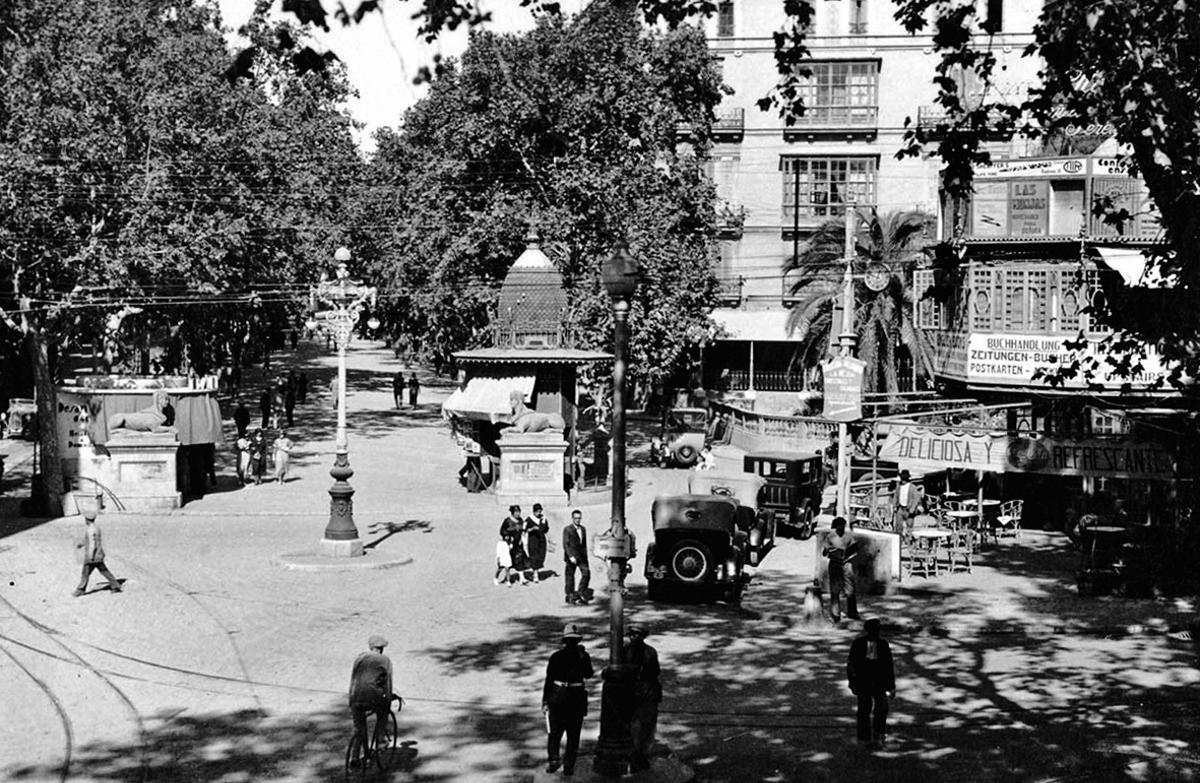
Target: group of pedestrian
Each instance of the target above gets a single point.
(522, 546)
(399, 385)
(565, 698)
(256, 452)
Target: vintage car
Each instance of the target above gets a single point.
(699, 547)
(793, 485)
(747, 491)
(21, 418)
(683, 434)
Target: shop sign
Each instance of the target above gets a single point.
(1029, 208)
(950, 353)
(989, 209)
(843, 388)
(1049, 167)
(1091, 457)
(926, 449)
(1012, 360)
(75, 414)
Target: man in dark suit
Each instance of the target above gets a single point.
(872, 676)
(907, 501)
(575, 557)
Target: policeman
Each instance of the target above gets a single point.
(564, 698)
(647, 693)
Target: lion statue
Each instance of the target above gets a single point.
(148, 419)
(526, 420)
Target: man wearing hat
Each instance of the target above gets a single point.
(907, 500)
(91, 548)
(370, 688)
(647, 693)
(872, 676)
(564, 699)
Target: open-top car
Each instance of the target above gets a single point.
(747, 491)
(794, 482)
(698, 547)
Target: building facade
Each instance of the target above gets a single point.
(778, 183)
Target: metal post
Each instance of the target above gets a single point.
(848, 341)
(341, 525)
(616, 603)
(615, 745)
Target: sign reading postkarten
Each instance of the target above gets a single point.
(843, 388)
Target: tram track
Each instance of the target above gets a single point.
(79, 660)
(191, 596)
(63, 717)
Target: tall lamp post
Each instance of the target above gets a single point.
(619, 274)
(345, 300)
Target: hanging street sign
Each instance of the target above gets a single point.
(843, 388)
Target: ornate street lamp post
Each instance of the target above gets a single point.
(619, 274)
(345, 299)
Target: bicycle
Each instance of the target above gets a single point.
(382, 738)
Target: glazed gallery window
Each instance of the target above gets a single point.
(841, 94)
(725, 20)
(821, 187)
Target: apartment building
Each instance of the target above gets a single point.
(778, 183)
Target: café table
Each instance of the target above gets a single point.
(923, 553)
(970, 518)
(989, 513)
(1110, 533)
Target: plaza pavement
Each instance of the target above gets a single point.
(218, 664)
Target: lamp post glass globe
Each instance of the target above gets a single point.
(619, 273)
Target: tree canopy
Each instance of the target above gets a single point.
(571, 126)
(146, 186)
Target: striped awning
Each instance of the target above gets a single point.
(486, 397)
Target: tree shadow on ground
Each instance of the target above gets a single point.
(748, 697)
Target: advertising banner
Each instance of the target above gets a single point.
(75, 414)
(989, 209)
(1051, 167)
(1090, 457)
(924, 449)
(1029, 208)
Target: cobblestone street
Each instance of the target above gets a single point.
(219, 664)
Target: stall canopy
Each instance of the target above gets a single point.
(486, 397)
(1134, 267)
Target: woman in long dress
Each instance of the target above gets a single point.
(535, 546)
(283, 456)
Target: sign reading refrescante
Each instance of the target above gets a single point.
(926, 449)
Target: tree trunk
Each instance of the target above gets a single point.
(48, 494)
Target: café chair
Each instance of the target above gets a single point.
(922, 557)
(1008, 523)
(960, 549)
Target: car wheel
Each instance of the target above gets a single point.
(686, 456)
(807, 525)
(691, 561)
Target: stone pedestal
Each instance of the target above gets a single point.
(139, 469)
(341, 548)
(531, 468)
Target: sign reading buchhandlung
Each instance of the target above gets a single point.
(843, 388)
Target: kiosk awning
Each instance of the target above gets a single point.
(486, 397)
(1133, 266)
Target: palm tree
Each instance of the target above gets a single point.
(884, 319)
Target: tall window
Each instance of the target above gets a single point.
(994, 22)
(725, 19)
(821, 187)
(858, 17)
(841, 94)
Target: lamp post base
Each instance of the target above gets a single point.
(341, 548)
(615, 745)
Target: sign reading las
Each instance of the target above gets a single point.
(843, 388)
